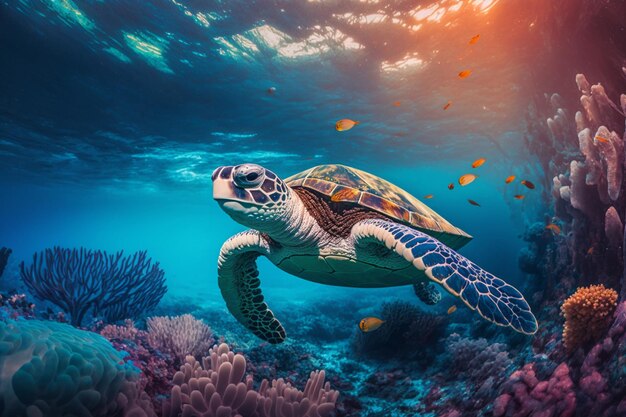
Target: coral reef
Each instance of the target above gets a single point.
(587, 315)
(157, 368)
(525, 395)
(53, 369)
(4, 258)
(78, 281)
(477, 359)
(215, 388)
(406, 329)
(180, 336)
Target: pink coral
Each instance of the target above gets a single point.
(179, 336)
(215, 389)
(526, 396)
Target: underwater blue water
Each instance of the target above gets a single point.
(114, 117)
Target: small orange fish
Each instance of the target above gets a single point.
(473, 203)
(369, 324)
(590, 251)
(465, 73)
(342, 195)
(528, 184)
(474, 39)
(428, 196)
(396, 103)
(467, 179)
(601, 139)
(452, 309)
(509, 179)
(478, 162)
(345, 124)
(451, 186)
(555, 228)
(447, 106)
(519, 196)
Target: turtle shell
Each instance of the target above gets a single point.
(350, 185)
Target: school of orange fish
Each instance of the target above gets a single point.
(369, 324)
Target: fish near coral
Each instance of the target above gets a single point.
(345, 124)
(528, 184)
(369, 324)
(447, 105)
(519, 196)
(293, 221)
(474, 39)
(428, 196)
(509, 179)
(452, 309)
(554, 228)
(465, 73)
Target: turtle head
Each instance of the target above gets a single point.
(251, 195)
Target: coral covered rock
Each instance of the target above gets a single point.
(215, 388)
(587, 315)
(180, 336)
(53, 369)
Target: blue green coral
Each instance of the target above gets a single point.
(53, 369)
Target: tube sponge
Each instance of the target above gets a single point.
(215, 389)
(587, 315)
(53, 369)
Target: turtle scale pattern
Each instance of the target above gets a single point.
(372, 192)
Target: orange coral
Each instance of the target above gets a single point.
(587, 315)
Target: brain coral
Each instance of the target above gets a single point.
(215, 389)
(587, 315)
(53, 369)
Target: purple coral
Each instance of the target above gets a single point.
(215, 389)
(476, 359)
(179, 336)
(80, 280)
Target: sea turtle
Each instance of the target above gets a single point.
(338, 225)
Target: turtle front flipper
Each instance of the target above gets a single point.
(494, 299)
(238, 279)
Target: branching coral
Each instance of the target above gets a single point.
(215, 389)
(179, 336)
(53, 369)
(4, 258)
(587, 315)
(80, 280)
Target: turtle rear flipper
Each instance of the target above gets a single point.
(238, 279)
(491, 297)
(427, 293)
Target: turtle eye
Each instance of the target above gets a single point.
(249, 175)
